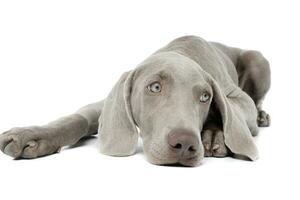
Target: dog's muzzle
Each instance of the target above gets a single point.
(184, 144)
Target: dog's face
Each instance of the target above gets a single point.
(168, 97)
(170, 101)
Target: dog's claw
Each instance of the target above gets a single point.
(215, 147)
(206, 146)
(32, 144)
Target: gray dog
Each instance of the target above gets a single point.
(190, 99)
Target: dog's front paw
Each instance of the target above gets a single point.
(29, 142)
(214, 144)
(263, 119)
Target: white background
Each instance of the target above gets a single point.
(56, 56)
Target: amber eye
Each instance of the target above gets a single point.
(154, 87)
(204, 97)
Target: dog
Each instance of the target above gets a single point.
(190, 99)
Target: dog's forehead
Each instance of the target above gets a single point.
(170, 65)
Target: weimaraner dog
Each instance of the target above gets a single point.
(190, 99)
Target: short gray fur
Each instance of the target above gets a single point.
(237, 80)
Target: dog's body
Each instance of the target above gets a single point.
(188, 91)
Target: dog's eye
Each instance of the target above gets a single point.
(204, 97)
(154, 87)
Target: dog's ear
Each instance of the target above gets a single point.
(237, 115)
(117, 131)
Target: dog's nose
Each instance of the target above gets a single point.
(184, 142)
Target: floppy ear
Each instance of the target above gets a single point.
(238, 117)
(117, 131)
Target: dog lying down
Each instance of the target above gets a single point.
(190, 99)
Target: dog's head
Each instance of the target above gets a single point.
(168, 97)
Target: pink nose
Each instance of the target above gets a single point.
(184, 142)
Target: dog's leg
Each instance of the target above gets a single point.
(36, 141)
(254, 79)
(254, 76)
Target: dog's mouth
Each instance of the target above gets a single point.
(192, 162)
(174, 161)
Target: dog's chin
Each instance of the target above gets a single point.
(190, 162)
